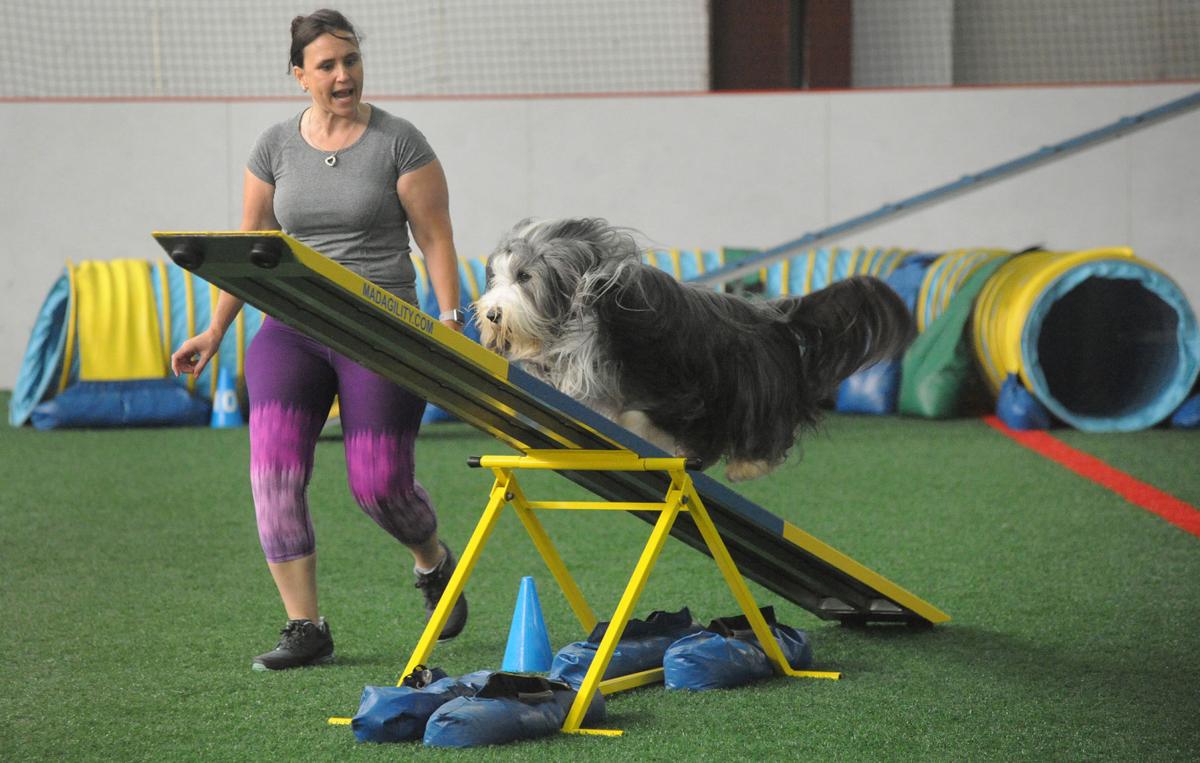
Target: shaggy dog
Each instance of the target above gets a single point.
(697, 372)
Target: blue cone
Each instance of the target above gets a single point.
(225, 410)
(528, 649)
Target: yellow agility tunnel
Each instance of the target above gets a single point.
(106, 330)
(1105, 341)
(944, 277)
(100, 347)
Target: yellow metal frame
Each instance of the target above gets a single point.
(681, 497)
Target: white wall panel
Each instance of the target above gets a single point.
(91, 180)
(687, 171)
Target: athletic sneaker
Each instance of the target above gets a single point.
(433, 585)
(301, 642)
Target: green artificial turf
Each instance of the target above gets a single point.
(134, 594)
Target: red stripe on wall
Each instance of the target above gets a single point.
(1183, 515)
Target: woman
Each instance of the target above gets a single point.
(349, 180)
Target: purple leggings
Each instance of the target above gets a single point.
(291, 380)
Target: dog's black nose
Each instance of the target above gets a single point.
(493, 315)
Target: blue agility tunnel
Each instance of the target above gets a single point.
(1105, 341)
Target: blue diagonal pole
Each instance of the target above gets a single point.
(966, 183)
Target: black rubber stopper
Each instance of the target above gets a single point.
(265, 253)
(188, 254)
(473, 461)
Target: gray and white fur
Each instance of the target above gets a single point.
(697, 372)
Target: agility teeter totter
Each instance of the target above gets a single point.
(298, 286)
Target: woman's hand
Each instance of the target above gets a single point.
(194, 354)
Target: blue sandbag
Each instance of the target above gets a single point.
(727, 654)
(641, 647)
(509, 707)
(573, 660)
(872, 390)
(876, 389)
(141, 402)
(906, 279)
(399, 713)
(1019, 409)
(1187, 416)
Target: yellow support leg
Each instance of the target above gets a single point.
(631, 681)
(537, 533)
(741, 592)
(616, 626)
(458, 580)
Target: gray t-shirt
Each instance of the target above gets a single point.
(348, 212)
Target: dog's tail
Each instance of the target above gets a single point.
(849, 325)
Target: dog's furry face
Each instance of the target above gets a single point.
(696, 372)
(526, 293)
(542, 278)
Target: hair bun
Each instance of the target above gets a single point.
(305, 29)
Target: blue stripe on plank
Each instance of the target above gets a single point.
(711, 491)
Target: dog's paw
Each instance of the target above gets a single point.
(740, 471)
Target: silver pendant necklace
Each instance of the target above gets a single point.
(332, 159)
